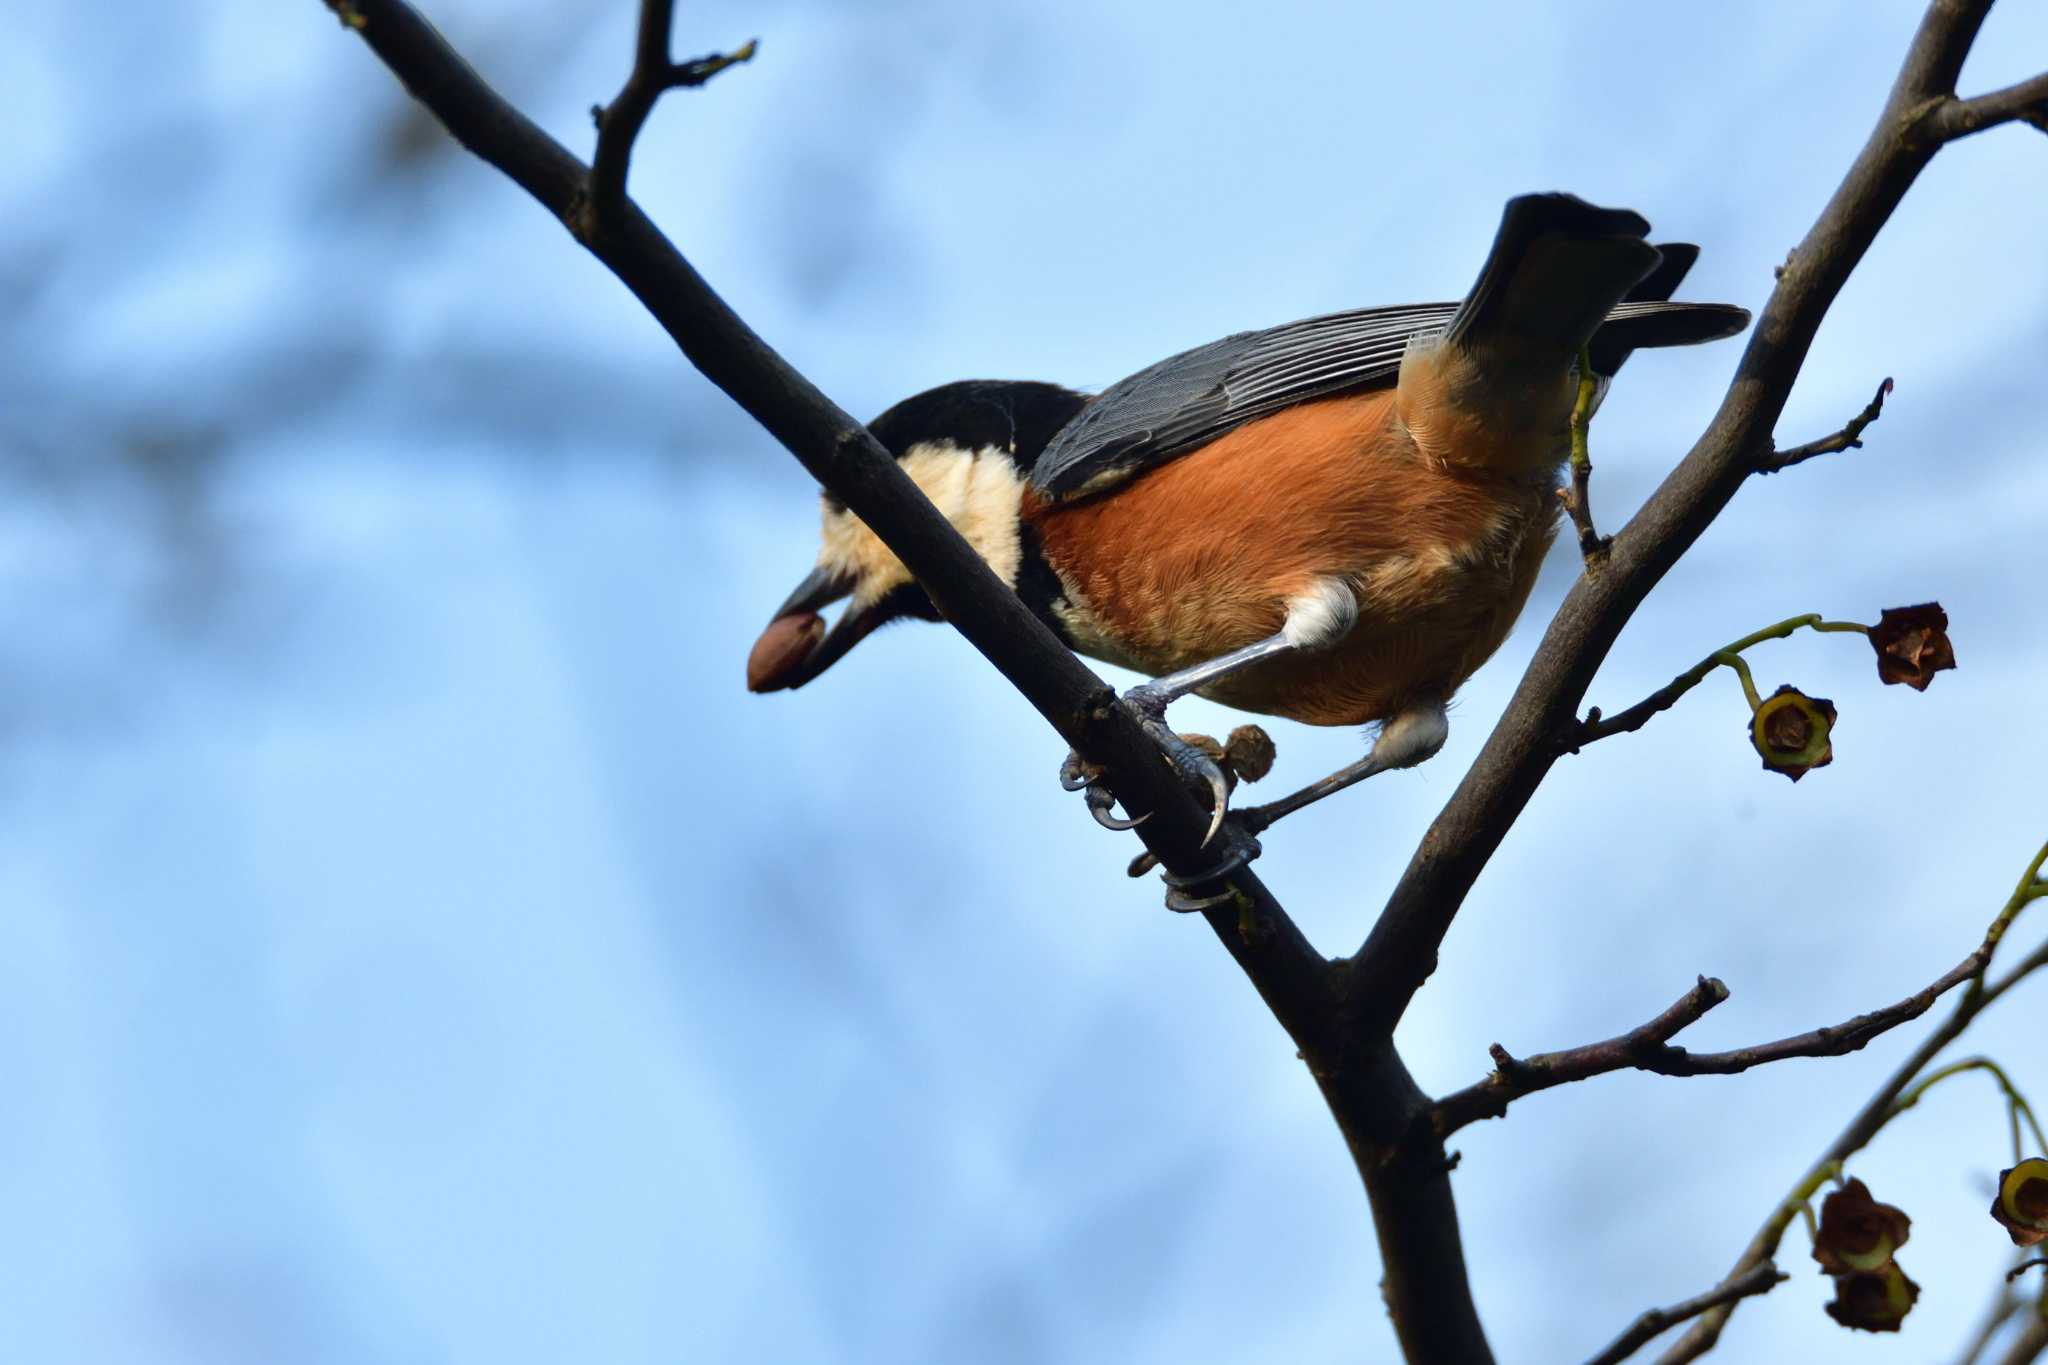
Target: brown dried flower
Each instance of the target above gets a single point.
(1246, 756)
(1873, 1300)
(1856, 1232)
(1791, 731)
(1912, 644)
(1250, 752)
(2022, 1202)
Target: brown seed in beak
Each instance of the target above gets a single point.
(782, 650)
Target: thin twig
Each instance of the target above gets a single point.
(1515, 1077)
(619, 123)
(2016, 1106)
(1596, 727)
(1647, 1049)
(1759, 1279)
(2023, 1267)
(2003, 1305)
(1879, 1110)
(2026, 1348)
(1850, 437)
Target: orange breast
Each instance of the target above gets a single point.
(1201, 556)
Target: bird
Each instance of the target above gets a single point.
(1335, 521)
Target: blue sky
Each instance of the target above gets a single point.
(415, 945)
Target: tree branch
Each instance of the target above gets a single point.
(1883, 1106)
(1648, 1048)
(2028, 1346)
(2026, 102)
(1340, 1015)
(845, 458)
(1401, 951)
(1759, 1279)
(619, 123)
(1370, 1092)
(1597, 727)
(1848, 438)
(1515, 1077)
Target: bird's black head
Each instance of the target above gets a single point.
(969, 447)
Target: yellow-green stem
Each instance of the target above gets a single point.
(1800, 1201)
(1730, 655)
(2016, 1104)
(1582, 411)
(2030, 888)
(1730, 659)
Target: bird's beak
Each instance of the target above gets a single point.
(796, 647)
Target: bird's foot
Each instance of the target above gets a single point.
(1077, 774)
(1234, 850)
(1208, 769)
(1199, 769)
(1200, 773)
(1246, 756)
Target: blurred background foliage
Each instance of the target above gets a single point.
(414, 945)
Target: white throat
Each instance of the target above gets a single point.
(979, 491)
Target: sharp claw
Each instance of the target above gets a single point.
(1074, 773)
(1186, 903)
(1099, 799)
(1116, 822)
(1218, 790)
(1180, 893)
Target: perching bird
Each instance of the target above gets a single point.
(1336, 521)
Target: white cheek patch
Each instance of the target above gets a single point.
(979, 491)
(850, 549)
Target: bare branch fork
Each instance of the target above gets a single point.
(1340, 1014)
(619, 123)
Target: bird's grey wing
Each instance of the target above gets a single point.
(1186, 401)
(1189, 400)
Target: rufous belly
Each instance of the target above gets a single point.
(1202, 555)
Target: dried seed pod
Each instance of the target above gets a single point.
(1856, 1232)
(780, 652)
(2022, 1203)
(1912, 644)
(1792, 732)
(1873, 1300)
(1250, 752)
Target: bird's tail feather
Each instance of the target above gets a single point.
(1644, 317)
(1557, 266)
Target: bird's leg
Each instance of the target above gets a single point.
(1405, 740)
(1316, 619)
